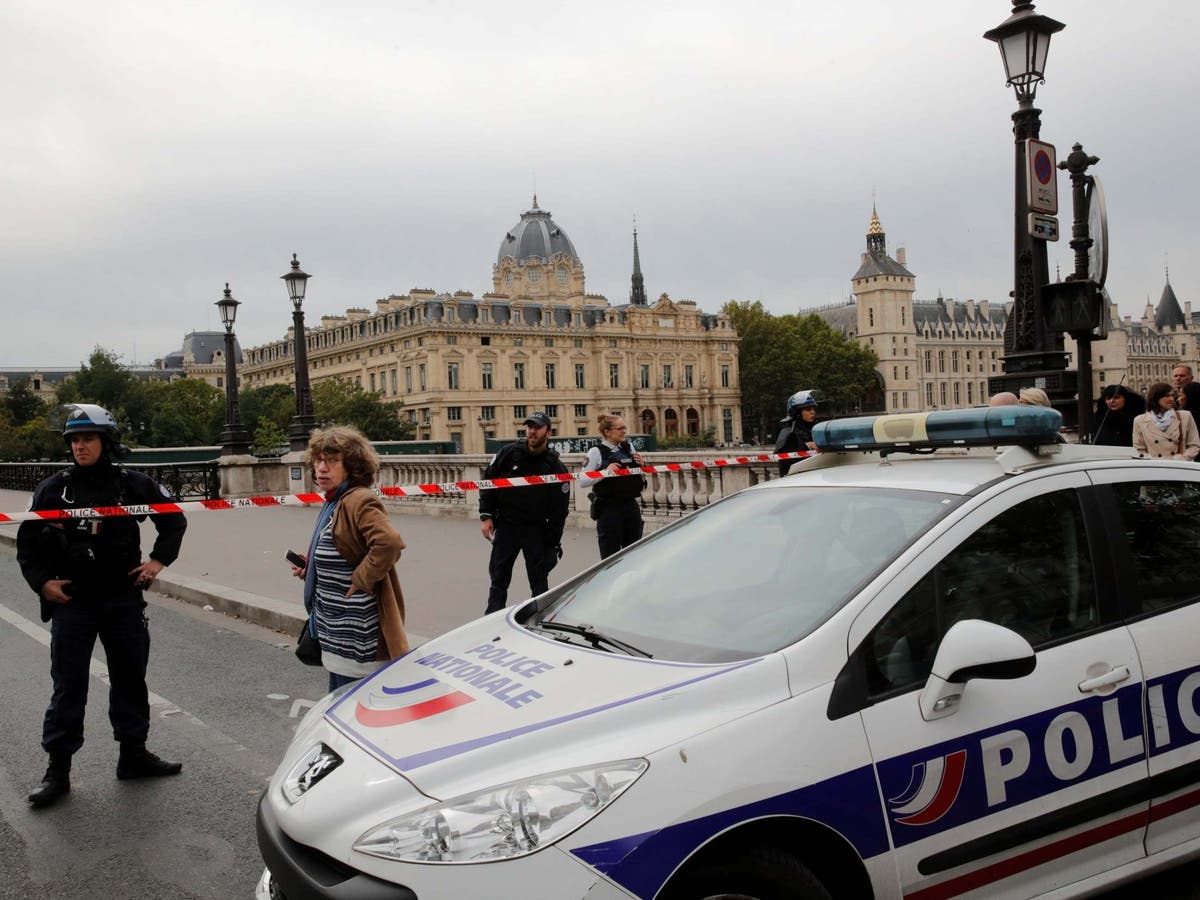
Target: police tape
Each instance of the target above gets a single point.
(408, 490)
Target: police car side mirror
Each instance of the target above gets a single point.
(972, 648)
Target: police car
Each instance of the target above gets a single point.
(894, 673)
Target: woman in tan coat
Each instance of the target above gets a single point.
(1164, 432)
(350, 583)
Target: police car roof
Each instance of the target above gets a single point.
(944, 471)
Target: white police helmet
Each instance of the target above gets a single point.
(801, 400)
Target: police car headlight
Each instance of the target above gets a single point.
(503, 822)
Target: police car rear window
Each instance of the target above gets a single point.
(749, 575)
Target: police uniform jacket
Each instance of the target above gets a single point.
(95, 554)
(546, 505)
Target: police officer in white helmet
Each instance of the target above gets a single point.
(796, 434)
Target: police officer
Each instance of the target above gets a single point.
(524, 520)
(615, 501)
(796, 435)
(89, 575)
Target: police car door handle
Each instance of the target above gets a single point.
(1108, 679)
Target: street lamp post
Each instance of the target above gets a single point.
(1033, 351)
(234, 439)
(302, 422)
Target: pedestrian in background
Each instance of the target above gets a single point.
(796, 434)
(1115, 411)
(616, 506)
(1003, 398)
(1033, 396)
(1163, 432)
(526, 521)
(351, 589)
(89, 575)
(1181, 375)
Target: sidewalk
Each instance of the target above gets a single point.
(232, 560)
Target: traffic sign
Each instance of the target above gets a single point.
(1042, 177)
(1043, 227)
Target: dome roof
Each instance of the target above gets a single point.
(536, 235)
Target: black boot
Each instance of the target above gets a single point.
(55, 783)
(136, 761)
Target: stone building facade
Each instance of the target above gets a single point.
(932, 354)
(1138, 354)
(469, 367)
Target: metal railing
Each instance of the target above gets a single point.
(184, 481)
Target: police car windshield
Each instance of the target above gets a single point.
(746, 576)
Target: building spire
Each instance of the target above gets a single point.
(637, 294)
(876, 239)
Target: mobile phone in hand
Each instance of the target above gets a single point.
(296, 559)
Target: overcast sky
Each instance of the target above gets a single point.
(153, 151)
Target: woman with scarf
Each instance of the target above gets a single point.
(350, 585)
(1164, 432)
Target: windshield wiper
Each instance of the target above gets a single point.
(592, 636)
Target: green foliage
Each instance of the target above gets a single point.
(340, 402)
(22, 404)
(689, 441)
(31, 441)
(780, 355)
(274, 404)
(103, 380)
(186, 413)
(268, 437)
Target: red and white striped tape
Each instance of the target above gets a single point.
(408, 490)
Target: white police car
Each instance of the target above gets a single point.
(885, 676)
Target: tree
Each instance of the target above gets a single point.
(21, 403)
(341, 402)
(185, 413)
(274, 404)
(268, 438)
(102, 379)
(780, 355)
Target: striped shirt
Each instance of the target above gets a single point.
(347, 627)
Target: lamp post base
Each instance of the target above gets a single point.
(299, 431)
(235, 442)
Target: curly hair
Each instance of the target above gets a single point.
(351, 445)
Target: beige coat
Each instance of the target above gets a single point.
(365, 538)
(1180, 441)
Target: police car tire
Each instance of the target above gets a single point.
(755, 873)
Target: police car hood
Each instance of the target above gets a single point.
(492, 702)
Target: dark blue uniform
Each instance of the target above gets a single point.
(528, 520)
(97, 556)
(616, 507)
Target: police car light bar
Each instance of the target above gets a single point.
(988, 427)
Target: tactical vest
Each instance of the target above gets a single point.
(627, 487)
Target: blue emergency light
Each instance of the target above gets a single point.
(996, 426)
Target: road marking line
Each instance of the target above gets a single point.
(221, 744)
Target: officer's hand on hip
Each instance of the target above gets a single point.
(53, 590)
(144, 575)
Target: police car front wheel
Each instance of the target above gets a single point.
(755, 874)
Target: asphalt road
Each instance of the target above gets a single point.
(226, 697)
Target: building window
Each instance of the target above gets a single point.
(551, 410)
(906, 373)
(519, 412)
(727, 424)
(425, 416)
(408, 379)
(393, 374)
(689, 376)
(725, 376)
(929, 395)
(904, 399)
(941, 360)
(550, 375)
(486, 340)
(957, 395)
(518, 342)
(612, 342)
(519, 376)
(895, 373)
(645, 376)
(581, 410)
(895, 399)
(452, 339)
(483, 316)
(1101, 377)
(372, 382)
(942, 392)
(970, 393)
(953, 360)
(578, 341)
(902, 318)
(871, 318)
(581, 432)
(421, 376)
(452, 376)
(485, 376)
(580, 369)
(454, 413)
(220, 382)
(667, 379)
(614, 375)
(549, 342)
